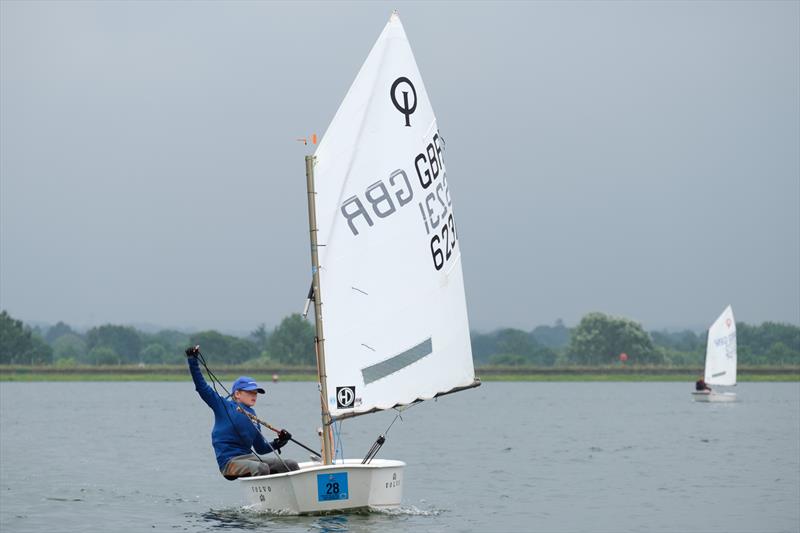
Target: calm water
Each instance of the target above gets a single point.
(505, 457)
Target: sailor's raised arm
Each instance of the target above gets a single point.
(205, 391)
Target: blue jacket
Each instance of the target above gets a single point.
(233, 434)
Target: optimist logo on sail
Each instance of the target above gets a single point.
(405, 108)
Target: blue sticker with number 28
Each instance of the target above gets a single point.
(332, 487)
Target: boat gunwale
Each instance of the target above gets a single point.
(312, 466)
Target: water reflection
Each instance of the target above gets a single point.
(352, 521)
(332, 523)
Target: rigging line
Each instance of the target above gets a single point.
(276, 430)
(399, 415)
(277, 454)
(376, 446)
(214, 379)
(393, 421)
(259, 423)
(337, 431)
(335, 440)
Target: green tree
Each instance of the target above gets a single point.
(69, 346)
(517, 342)
(170, 339)
(600, 339)
(41, 353)
(552, 336)
(15, 339)
(682, 341)
(57, 331)
(260, 337)
(124, 340)
(769, 343)
(483, 346)
(154, 354)
(779, 353)
(486, 348)
(104, 355)
(674, 357)
(292, 341)
(224, 348)
(18, 344)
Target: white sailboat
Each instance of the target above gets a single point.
(386, 257)
(720, 369)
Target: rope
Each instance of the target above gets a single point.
(338, 443)
(376, 446)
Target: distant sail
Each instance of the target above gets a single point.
(394, 309)
(721, 350)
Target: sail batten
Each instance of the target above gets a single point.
(396, 325)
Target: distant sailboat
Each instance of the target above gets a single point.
(385, 252)
(720, 367)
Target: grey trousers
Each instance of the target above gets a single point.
(253, 465)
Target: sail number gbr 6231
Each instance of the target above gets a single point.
(388, 196)
(436, 209)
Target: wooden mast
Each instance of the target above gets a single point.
(319, 340)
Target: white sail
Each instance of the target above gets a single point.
(394, 309)
(721, 350)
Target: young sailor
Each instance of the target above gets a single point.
(234, 434)
(701, 386)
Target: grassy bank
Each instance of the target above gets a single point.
(228, 374)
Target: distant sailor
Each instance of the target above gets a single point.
(234, 435)
(701, 385)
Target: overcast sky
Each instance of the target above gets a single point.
(635, 158)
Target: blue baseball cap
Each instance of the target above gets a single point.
(246, 383)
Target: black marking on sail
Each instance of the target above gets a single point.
(718, 374)
(350, 414)
(397, 362)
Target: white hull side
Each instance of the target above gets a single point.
(316, 488)
(714, 396)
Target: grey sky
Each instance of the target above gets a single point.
(635, 158)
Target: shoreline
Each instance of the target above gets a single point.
(9, 373)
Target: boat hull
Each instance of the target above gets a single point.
(714, 396)
(316, 488)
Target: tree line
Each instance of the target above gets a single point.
(598, 339)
